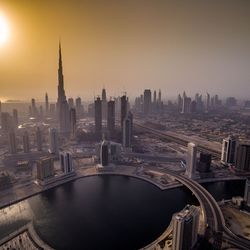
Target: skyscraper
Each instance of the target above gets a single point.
(66, 161)
(191, 160)
(46, 104)
(243, 158)
(71, 102)
(127, 131)
(111, 117)
(26, 142)
(159, 96)
(12, 142)
(79, 107)
(154, 96)
(6, 122)
(147, 101)
(247, 193)
(62, 104)
(45, 168)
(228, 153)
(39, 141)
(124, 107)
(104, 153)
(104, 104)
(15, 118)
(98, 116)
(73, 122)
(53, 141)
(185, 228)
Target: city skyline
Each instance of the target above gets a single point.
(168, 46)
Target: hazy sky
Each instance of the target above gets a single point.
(126, 46)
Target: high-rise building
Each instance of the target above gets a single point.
(208, 102)
(124, 108)
(204, 163)
(159, 96)
(66, 161)
(243, 158)
(71, 102)
(52, 109)
(247, 193)
(6, 122)
(98, 117)
(185, 228)
(154, 97)
(186, 104)
(79, 107)
(46, 103)
(104, 104)
(15, 118)
(62, 104)
(191, 160)
(127, 131)
(12, 142)
(111, 117)
(45, 168)
(228, 153)
(179, 103)
(53, 141)
(72, 122)
(104, 154)
(39, 141)
(147, 101)
(26, 142)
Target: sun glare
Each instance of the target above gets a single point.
(4, 29)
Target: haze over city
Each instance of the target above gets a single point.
(124, 125)
(127, 46)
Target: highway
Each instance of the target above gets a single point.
(182, 141)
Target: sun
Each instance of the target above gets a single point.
(4, 29)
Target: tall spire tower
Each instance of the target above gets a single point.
(62, 104)
(61, 92)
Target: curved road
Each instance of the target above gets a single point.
(216, 226)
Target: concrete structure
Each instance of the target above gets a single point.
(247, 193)
(104, 104)
(191, 160)
(124, 109)
(45, 168)
(12, 142)
(111, 117)
(104, 154)
(127, 131)
(243, 158)
(53, 141)
(228, 153)
(26, 142)
(66, 161)
(72, 117)
(98, 117)
(15, 118)
(46, 104)
(6, 122)
(147, 101)
(185, 228)
(79, 107)
(39, 139)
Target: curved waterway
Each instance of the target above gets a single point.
(105, 212)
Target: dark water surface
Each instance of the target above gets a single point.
(105, 212)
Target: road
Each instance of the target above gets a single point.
(182, 141)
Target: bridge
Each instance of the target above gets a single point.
(181, 141)
(215, 226)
